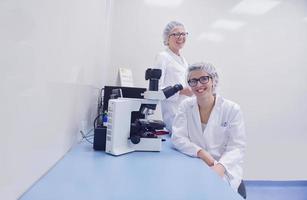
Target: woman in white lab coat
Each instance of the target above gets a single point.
(211, 127)
(174, 68)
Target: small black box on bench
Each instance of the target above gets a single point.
(100, 133)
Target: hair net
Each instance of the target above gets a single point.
(207, 67)
(168, 28)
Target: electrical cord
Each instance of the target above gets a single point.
(95, 120)
(87, 136)
(100, 101)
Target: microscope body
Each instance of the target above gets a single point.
(128, 126)
(118, 138)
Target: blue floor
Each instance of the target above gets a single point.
(276, 190)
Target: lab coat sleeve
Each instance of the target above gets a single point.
(166, 79)
(180, 138)
(235, 147)
(160, 63)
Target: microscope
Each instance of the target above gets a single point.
(129, 128)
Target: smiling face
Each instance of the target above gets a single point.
(176, 43)
(200, 89)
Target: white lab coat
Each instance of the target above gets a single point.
(174, 69)
(223, 138)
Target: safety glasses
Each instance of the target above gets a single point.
(203, 80)
(178, 35)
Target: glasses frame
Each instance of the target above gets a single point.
(179, 34)
(194, 81)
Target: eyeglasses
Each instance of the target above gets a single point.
(177, 35)
(203, 80)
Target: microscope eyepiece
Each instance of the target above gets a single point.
(171, 90)
(178, 87)
(153, 75)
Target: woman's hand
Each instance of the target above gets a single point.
(186, 91)
(209, 160)
(206, 157)
(219, 169)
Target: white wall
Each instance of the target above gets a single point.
(52, 62)
(262, 66)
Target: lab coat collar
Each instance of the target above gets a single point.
(213, 118)
(196, 115)
(179, 59)
(216, 109)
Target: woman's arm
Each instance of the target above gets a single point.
(180, 138)
(161, 62)
(209, 160)
(235, 147)
(206, 157)
(186, 91)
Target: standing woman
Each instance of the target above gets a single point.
(211, 127)
(174, 67)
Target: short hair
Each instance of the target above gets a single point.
(208, 68)
(168, 29)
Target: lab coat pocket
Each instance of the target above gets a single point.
(218, 137)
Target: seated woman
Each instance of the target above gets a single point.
(211, 127)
